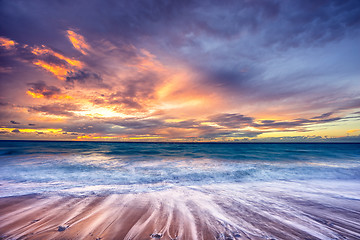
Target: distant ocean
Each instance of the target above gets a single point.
(178, 191)
(79, 168)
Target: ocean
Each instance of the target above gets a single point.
(51, 190)
(100, 167)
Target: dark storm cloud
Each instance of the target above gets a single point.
(15, 131)
(43, 89)
(59, 109)
(14, 122)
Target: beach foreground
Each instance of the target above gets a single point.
(272, 210)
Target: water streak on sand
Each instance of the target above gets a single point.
(275, 210)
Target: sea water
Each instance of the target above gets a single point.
(83, 168)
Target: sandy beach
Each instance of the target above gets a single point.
(231, 211)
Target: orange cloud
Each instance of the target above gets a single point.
(41, 90)
(30, 130)
(47, 118)
(44, 57)
(7, 43)
(175, 96)
(34, 95)
(46, 51)
(147, 61)
(41, 95)
(78, 42)
(59, 71)
(353, 130)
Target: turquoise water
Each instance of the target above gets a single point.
(97, 167)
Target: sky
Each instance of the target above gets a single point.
(242, 70)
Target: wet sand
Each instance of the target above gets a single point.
(280, 210)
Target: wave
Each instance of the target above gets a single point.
(58, 173)
(39, 167)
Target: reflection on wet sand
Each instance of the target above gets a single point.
(273, 210)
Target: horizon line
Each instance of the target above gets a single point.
(183, 142)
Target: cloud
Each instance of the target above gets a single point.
(350, 104)
(273, 24)
(134, 92)
(81, 127)
(45, 58)
(58, 109)
(41, 90)
(14, 122)
(322, 116)
(15, 131)
(78, 42)
(180, 69)
(353, 131)
(62, 67)
(7, 43)
(134, 123)
(313, 23)
(231, 120)
(234, 120)
(295, 123)
(3, 104)
(54, 62)
(82, 76)
(50, 56)
(187, 129)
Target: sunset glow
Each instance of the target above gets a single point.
(191, 77)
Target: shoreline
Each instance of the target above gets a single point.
(279, 210)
